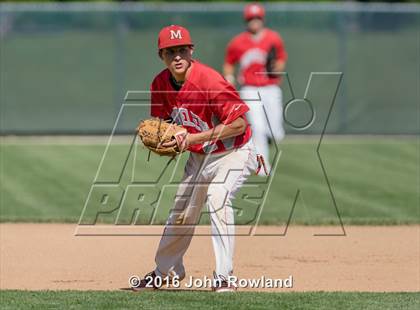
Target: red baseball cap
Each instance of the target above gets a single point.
(254, 10)
(174, 35)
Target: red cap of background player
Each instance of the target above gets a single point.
(254, 11)
(174, 35)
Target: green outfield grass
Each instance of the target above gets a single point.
(375, 180)
(206, 300)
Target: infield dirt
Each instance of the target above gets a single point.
(368, 258)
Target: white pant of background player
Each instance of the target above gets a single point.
(262, 122)
(213, 179)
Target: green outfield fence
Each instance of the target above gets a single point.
(66, 67)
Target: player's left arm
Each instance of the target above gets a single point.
(220, 132)
(229, 108)
(229, 72)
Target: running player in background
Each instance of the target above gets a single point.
(259, 51)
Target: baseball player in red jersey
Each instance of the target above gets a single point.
(259, 51)
(221, 157)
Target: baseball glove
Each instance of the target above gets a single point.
(271, 62)
(154, 132)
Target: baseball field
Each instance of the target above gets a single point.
(45, 182)
(336, 225)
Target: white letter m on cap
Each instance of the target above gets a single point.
(176, 34)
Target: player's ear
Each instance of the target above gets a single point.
(160, 54)
(191, 50)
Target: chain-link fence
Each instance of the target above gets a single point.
(65, 68)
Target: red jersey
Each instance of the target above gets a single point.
(251, 54)
(205, 100)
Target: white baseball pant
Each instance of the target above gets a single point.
(265, 122)
(212, 179)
